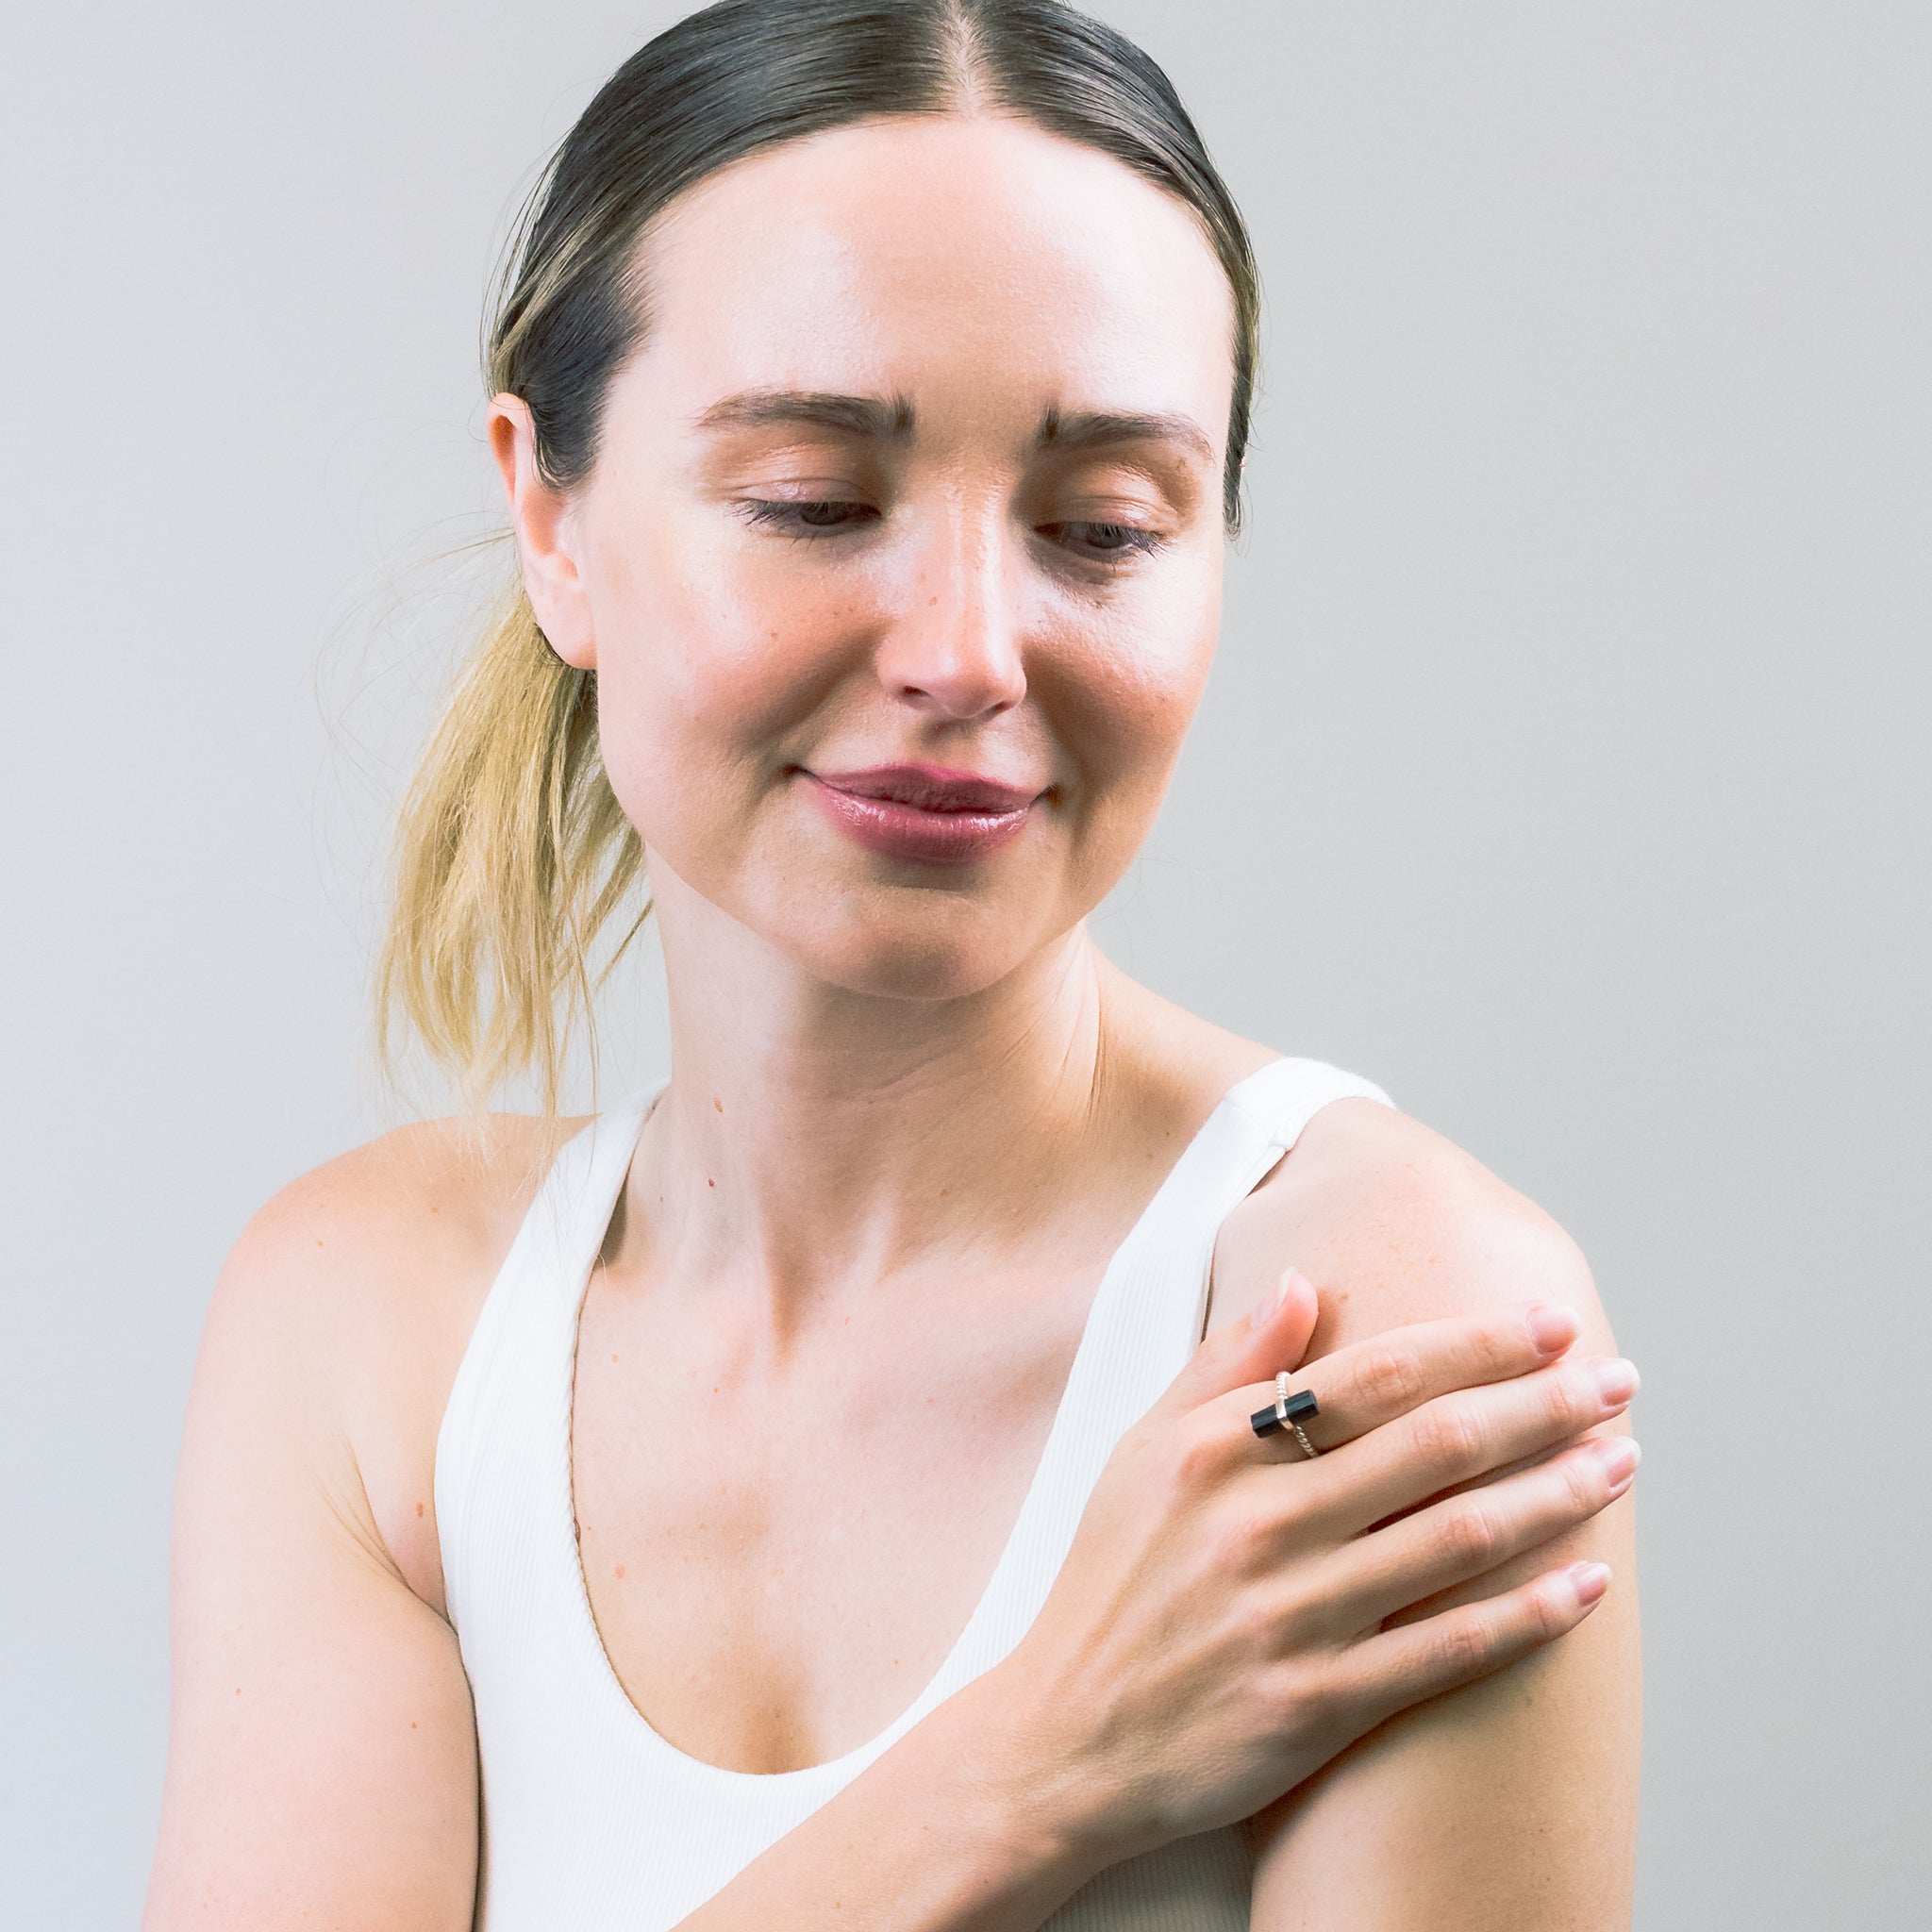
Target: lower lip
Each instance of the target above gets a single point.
(912, 833)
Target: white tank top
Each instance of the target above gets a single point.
(593, 1821)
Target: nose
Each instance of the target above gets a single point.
(954, 650)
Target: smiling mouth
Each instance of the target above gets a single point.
(922, 815)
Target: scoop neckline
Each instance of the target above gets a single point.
(624, 1711)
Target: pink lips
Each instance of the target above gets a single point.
(922, 813)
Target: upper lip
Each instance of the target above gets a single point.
(931, 788)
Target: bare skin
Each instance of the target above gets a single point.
(912, 1117)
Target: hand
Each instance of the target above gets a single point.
(1217, 1633)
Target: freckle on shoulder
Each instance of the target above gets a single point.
(1394, 1222)
(1451, 1235)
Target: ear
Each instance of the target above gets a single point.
(545, 526)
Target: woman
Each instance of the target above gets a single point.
(807, 1493)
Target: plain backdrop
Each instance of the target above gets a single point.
(1564, 769)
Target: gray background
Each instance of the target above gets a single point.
(1564, 769)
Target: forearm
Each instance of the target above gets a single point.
(948, 1832)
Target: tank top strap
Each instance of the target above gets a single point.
(1146, 1321)
(526, 1338)
(1259, 1121)
(1280, 1100)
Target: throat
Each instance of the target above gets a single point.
(846, 1141)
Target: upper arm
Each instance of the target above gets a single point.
(1508, 1806)
(321, 1765)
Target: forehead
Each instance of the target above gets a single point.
(971, 262)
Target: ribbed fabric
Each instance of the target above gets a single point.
(591, 1822)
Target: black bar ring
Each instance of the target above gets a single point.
(1288, 1412)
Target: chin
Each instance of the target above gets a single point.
(946, 951)
(952, 935)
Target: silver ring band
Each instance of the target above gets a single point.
(1292, 1424)
(1288, 1412)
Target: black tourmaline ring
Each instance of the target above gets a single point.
(1288, 1412)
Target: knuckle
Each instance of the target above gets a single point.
(1573, 1401)
(1389, 1377)
(1262, 1634)
(1314, 1699)
(1548, 1616)
(1471, 1536)
(1319, 1677)
(1462, 1647)
(1505, 1342)
(1583, 1484)
(1284, 1692)
(1299, 1629)
(1450, 1438)
(1241, 1537)
(1199, 1457)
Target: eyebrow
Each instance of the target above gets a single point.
(886, 421)
(1102, 429)
(890, 420)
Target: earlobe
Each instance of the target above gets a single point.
(542, 521)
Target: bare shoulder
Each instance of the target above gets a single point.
(322, 1755)
(1394, 1223)
(1513, 1798)
(348, 1300)
(385, 1224)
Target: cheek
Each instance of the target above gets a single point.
(1126, 699)
(702, 667)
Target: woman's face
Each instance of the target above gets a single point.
(900, 564)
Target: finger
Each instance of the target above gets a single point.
(1472, 1433)
(1244, 1352)
(1452, 1541)
(1395, 1669)
(1371, 1383)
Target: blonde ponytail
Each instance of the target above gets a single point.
(512, 856)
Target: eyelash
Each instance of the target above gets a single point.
(1133, 541)
(1123, 539)
(789, 515)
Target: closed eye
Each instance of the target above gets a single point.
(809, 517)
(1103, 543)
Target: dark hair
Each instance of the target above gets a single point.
(746, 75)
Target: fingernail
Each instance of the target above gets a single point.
(1551, 1328)
(1590, 1581)
(1616, 1381)
(1620, 1457)
(1270, 1305)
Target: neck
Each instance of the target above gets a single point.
(814, 1142)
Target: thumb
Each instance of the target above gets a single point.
(1274, 1337)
